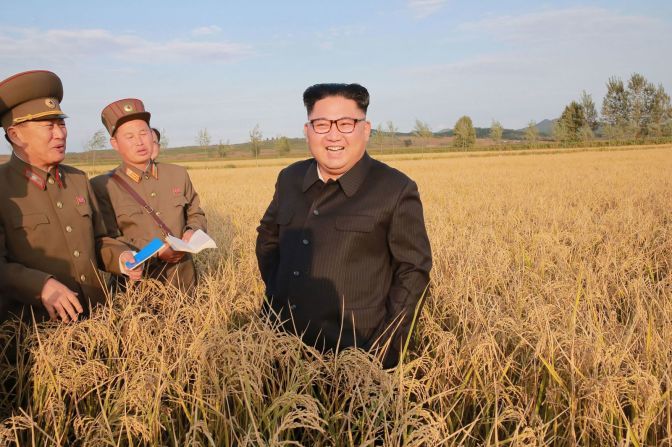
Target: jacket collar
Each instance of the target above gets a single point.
(136, 174)
(350, 181)
(35, 175)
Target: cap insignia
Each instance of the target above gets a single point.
(128, 108)
(49, 102)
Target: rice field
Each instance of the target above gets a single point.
(549, 324)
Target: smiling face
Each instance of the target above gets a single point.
(134, 141)
(336, 152)
(40, 143)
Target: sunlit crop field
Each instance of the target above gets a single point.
(549, 323)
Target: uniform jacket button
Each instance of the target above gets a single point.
(51, 181)
(296, 273)
(59, 204)
(305, 242)
(316, 212)
(76, 253)
(82, 278)
(68, 229)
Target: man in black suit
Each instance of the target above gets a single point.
(342, 248)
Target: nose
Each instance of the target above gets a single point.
(334, 134)
(60, 132)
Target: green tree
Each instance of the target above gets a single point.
(615, 109)
(203, 140)
(496, 131)
(465, 134)
(591, 119)
(255, 142)
(392, 133)
(378, 137)
(97, 141)
(163, 143)
(531, 133)
(223, 148)
(661, 114)
(422, 131)
(572, 124)
(282, 145)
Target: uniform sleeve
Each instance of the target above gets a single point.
(17, 281)
(195, 216)
(412, 258)
(106, 232)
(267, 247)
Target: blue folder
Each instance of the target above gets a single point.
(147, 252)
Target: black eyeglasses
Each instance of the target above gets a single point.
(344, 125)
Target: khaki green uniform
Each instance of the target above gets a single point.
(167, 188)
(50, 227)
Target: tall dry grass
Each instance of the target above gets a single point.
(549, 323)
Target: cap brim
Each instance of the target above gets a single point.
(145, 116)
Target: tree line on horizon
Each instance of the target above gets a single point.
(632, 111)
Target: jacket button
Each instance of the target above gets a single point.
(316, 212)
(51, 181)
(158, 213)
(68, 229)
(59, 204)
(75, 253)
(82, 278)
(296, 273)
(305, 242)
(153, 194)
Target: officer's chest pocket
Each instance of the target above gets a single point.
(29, 231)
(128, 215)
(355, 224)
(29, 222)
(85, 210)
(180, 201)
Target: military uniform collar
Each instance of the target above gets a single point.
(136, 174)
(152, 169)
(350, 181)
(35, 175)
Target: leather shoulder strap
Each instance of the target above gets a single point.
(164, 228)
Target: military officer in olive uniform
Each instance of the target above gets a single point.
(161, 199)
(52, 237)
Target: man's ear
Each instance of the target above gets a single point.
(13, 135)
(367, 130)
(113, 142)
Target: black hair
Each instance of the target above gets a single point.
(356, 92)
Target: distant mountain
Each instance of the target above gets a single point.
(545, 127)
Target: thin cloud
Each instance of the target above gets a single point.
(571, 24)
(206, 30)
(74, 44)
(425, 8)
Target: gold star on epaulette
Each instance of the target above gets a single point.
(133, 175)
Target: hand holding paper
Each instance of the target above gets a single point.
(199, 241)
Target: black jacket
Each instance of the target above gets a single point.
(345, 262)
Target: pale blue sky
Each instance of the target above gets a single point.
(227, 66)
